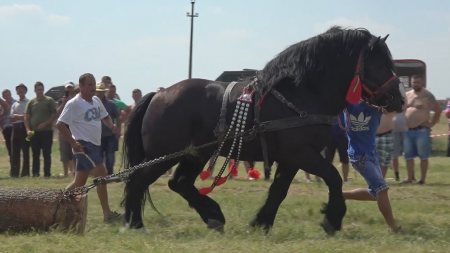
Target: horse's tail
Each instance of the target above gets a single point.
(133, 146)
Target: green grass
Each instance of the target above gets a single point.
(421, 210)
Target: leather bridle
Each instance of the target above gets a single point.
(374, 91)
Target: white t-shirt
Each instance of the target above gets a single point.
(84, 118)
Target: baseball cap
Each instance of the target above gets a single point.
(69, 83)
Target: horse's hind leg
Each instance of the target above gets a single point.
(335, 209)
(182, 183)
(135, 189)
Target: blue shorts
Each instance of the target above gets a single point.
(90, 158)
(368, 166)
(417, 143)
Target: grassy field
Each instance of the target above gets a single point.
(421, 210)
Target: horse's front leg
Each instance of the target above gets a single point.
(277, 193)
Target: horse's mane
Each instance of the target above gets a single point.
(309, 58)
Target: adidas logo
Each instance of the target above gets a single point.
(360, 123)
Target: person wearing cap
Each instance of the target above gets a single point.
(19, 135)
(39, 117)
(109, 140)
(65, 150)
(84, 114)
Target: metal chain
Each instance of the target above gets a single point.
(123, 175)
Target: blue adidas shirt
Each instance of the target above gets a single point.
(364, 122)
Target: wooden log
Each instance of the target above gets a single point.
(25, 209)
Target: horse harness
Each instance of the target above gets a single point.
(239, 121)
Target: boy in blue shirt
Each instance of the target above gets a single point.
(364, 121)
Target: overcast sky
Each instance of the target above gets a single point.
(145, 44)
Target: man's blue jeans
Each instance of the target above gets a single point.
(108, 149)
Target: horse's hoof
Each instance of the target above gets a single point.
(257, 225)
(326, 225)
(216, 225)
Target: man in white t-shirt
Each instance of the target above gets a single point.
(84, 114)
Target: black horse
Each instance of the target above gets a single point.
(296, 96)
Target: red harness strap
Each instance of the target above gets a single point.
(354, 93)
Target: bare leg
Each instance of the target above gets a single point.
(423, 170)
(384, 170)
(247, 166)
(66, 168)
(383, 202)
(395, 166)
(81, 178)
(358, 194)
(102, 192)
(410, 168)
(71, 167)
(307, 176)
(384, 206)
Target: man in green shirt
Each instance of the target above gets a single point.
(112, 96)
(123, 108)
(39, 116)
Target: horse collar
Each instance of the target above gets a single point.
(238, 123)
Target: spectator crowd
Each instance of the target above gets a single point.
(29, 124)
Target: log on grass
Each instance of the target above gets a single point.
(25, 209)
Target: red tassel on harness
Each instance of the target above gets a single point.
(254, 173)
(232, 172)
(221, 180)
(205, 174)
(206, 190)
(354, 91)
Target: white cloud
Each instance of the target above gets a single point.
(374, 27)
(27, 13)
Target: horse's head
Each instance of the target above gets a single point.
(380, 86)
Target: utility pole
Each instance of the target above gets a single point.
(192, 16)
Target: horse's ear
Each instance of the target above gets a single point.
(385, 38)
(374, 42)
